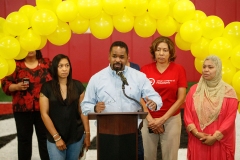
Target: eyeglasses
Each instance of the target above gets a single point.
(60, 66)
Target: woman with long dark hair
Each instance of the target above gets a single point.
(60, 108)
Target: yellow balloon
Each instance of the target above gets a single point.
(200, 48)
(11, 66)
(3, 67)
(183, 11)
(232, 33)
(190, 28)
(43, 42)
(145, 25)
(101, 26)
(44, 22)
(158, 9)
(167, 26)
(113, 7)
(2, 21)
(221, 47)
(199, 16)
(236, 82)
(9, 47)
(30, 41)
(28, 10)
(235, 56)
(61, 35)
(171, 5)
(16, 23)
(67, 11)
(79, 25)
(137, 7)
(181, 44)
(123, 22)
(48, 4)
(228, 71)
(89, 8)
(22, 54)
(198, 63)
(212, 27)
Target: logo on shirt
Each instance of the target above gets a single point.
(152, 81)
(165, 81)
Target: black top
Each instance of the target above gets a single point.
(66, 118)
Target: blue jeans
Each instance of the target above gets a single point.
(71, 153)
(140, 146)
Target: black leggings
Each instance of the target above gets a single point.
(24, 124)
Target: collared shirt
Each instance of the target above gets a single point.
(106, 86)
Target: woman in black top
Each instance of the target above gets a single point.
(60, 109)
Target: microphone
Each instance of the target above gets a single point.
(124, 80)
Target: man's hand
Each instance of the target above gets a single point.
(151, 104)
(99, 107)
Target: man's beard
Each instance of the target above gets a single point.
(117, 68)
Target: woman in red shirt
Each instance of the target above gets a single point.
(24, 86)
(169, 80)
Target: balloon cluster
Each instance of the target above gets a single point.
(31, 27)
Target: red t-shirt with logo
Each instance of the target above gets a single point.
(166, 84)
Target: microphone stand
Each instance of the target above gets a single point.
(123, 88)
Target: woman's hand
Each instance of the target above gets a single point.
(208, 140)
(157, 123)
(87, 141)
(61, 145)
(21, 86)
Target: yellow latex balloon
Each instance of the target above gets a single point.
(167, 26)
(198, 63)
(28, 10)
(113, 7)
(212, 27)
(228, 71)
(61, 35)
(145, 26)
(199, 16)
(89, 8)
(44, 22)
(43, 42)
(190, 28)
(221, 47)
(101, 26)
(181, 44)
(9, 47)
(2, 21)
(236, 82)
(79, 25)
(158, 9)
(123, 22)
(16, 23)
(11, 66)
(232, 33)
(30, 41)
(137, 7)
(67, 11)
(3, 67)
(200, 49)
(171, 5)
(48, 4)
(183, 11)
(235, 56)
(22, 54)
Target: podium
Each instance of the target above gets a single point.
(117, 134)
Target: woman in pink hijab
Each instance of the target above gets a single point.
(209, 115)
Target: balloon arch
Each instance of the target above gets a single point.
(56, 20)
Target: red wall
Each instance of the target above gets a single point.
(89, 54)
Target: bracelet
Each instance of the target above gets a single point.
(87, 132)
(58, 139)
(55, 135)
(196, 134)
